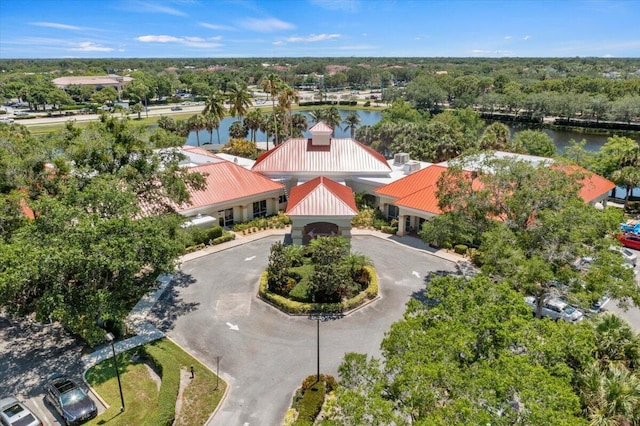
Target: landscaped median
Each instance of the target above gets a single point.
(300, 308)
(153, 376)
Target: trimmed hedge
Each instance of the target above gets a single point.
(301, 308)
(460, 249)
(170, 373)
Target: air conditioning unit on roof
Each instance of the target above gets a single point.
(411, 166)
(400, 158)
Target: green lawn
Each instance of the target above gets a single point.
(145, 403)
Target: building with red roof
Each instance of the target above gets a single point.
(232, 192)
(320, 207)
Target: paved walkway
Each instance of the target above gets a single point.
(146, 332)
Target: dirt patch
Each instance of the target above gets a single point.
(185, 379)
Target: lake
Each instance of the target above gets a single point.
(560, 138)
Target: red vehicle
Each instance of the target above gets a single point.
(630, 240)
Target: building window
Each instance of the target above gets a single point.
(260, 208)
(392, 211)
(225, 217)
(282, 198)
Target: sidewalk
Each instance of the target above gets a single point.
(146, 332)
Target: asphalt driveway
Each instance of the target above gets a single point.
(212, 311)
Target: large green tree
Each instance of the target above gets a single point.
(470, 354)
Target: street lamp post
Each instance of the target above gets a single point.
(111, 338)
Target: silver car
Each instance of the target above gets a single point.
(15, 413)
(556, 309)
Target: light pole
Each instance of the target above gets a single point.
(111, 338)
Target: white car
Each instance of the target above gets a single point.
(14, 413)
(629, 256)
(556, 309)
(6, 120)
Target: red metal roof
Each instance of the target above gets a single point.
(414, 182)
(418, 190)
(227, 181)
(321, 197)
(342, 156)
(593, 186)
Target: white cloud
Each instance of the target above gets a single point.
(342, 5)
(266, 25)
(89, 46)
(277, 43)
(57, 26)
(527, 37)
(216, 26)
(313, 38)
(197, 42)
(152, 7)
(507, 37)
(608, 55)
(158, 39)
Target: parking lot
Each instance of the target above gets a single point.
(29, 355)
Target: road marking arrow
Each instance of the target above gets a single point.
(416, 274)
(233, 327)
(246, 259)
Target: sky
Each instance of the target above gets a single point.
(318, 28)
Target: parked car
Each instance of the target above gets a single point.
(629, 256)
(70, 400)
(176, 108)
(556, 309)
(629, 240)
(15, 413)
(6, 120)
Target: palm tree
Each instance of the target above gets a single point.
(211, 121)
(299, 124)
(215, 105)
(351, 123)
(196, 123)
(167, 123)
(333, 119)
(286, 98)
(253, 121)
(317, 115)
(271, 84)
(611, 395)
(617, 342)
(240, 99)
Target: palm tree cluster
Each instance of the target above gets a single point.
(610, 385)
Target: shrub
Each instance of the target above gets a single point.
(367, 104)
(310, 403)
(170, 373)
(300, 292)
(461, 249)
(388, 229)
(214, 232)
(228, 236)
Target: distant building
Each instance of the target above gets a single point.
(98, 81)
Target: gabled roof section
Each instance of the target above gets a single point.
(342, 156)
(226, 181)
(321, 127)
(321, 197)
